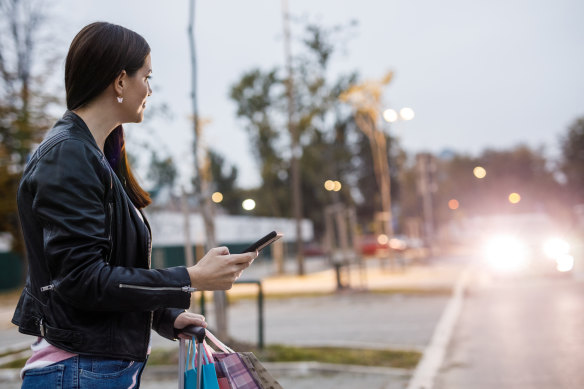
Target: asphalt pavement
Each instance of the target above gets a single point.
(522, 332)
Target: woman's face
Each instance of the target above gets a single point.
(137, 92)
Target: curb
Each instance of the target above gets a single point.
(170, 371)
(431, 361)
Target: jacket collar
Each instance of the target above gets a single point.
(79, 127)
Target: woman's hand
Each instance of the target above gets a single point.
(218, 269)
(186, 319)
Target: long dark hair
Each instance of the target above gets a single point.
(97, 55)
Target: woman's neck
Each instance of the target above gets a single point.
(100, 123)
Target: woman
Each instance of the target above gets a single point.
(90, 296)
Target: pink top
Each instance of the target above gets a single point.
(44, 354)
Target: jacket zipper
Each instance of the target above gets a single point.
(186, 289)
(110, 209)
(47, 288)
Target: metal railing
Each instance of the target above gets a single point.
(260, 298)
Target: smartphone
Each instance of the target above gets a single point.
(263, 242)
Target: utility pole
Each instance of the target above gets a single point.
(203, 172)
(426, 169)
(296, 150)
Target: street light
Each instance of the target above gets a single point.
(391, 116)
(248, 204)
(479, 172)
(514, 198)
(332, 186)
(217, 197)
(365, 98)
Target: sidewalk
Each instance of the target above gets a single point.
(374, 275)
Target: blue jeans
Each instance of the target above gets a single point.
(84, 372)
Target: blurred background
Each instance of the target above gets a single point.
(405, 132)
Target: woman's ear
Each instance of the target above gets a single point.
(119, 83)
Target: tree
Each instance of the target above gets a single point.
(224, 181)
(162, 171)
(572, 161)
(325, 128)
(24, 100)
(520, 169)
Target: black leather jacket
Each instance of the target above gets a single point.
(90, 289)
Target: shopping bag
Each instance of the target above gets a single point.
(259, 372)
(235, 371)
(209, 377)
(243, 370)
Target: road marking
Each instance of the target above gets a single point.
(425, 373)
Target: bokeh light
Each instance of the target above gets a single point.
(337, 186)
(382, 239)
(479, 172)
(514, 198)
(406, 113)
(248, 204)
(217, 197)
(453, 204)
(390, 115)
(329, 185)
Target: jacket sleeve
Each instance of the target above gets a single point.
(68, 191)
(163, 322)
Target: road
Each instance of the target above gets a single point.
(517, 333)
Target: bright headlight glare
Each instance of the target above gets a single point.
(505, 253)
(556, 247)
(565, 263)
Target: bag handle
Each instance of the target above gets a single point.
(193, 345)
(219, 343)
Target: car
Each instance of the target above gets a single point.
(378, 245)
(525, 244)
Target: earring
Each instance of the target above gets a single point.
(120, 99)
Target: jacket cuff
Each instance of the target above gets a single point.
(165, 322)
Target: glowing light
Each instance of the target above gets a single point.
(382, 239)
(453, 204)
(329, 185)
(397, 244)
(506, 254)
(556, 247)
(565, 263)
(337, 186)
(217, 197)
(514, 198)
(390, 115)
(406, 113)
(248, 204)
(479, 172)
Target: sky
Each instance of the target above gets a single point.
(477, 74)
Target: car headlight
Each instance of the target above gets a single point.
(506, 253)
(555, 248)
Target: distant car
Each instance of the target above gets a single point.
(373, 245)
(312, 250)
(526, 245)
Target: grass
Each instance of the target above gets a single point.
(280, 353)
(16, 364)
(337, 355)
(14, 351)
(346, 356)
